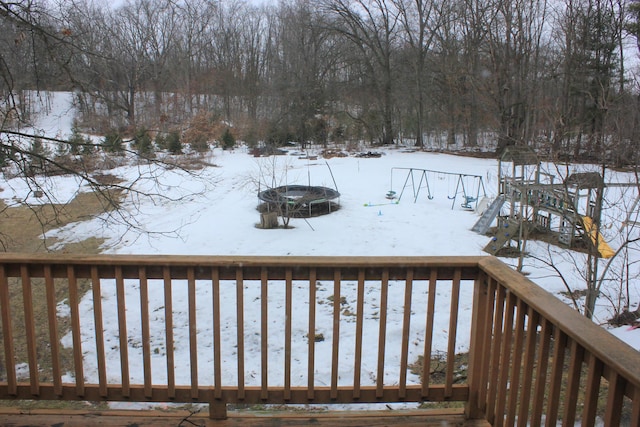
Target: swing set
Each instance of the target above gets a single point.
(469, 185)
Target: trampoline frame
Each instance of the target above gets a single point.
(296, 198)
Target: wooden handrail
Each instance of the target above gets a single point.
(624, 358)
(512, 373)
(560, 371)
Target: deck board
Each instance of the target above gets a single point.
(67, 418)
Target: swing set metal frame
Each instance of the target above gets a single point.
(469, 199)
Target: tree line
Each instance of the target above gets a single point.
(466, 74)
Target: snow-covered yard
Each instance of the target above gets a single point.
(216, 214)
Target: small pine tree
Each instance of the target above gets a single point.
(88, 146)
(62, 149)
(142, 143)
(76, 141)
(200, 145)
(37, 147)
(251, 137)
(161, 141)
(3, 158)
(174, 145)
(112, 143)
(228, 140)
(36, 156)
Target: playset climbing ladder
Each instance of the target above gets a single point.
(509, 230)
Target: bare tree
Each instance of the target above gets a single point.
(514, 40)
(447, 65)
(590, 63)
(258, 28)
(302, 66)
(371, 26)
(421, 20)
(27, 153)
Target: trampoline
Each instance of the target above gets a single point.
(300, 200)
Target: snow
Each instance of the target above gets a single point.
(222, 221)
(213, 212)
(628, 335)
(57, 190)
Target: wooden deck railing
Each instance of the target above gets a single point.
(306, 330)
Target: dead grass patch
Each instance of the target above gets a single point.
(21, 229)
(189, 162)
(438, 366)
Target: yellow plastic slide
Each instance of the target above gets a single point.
(604, 249)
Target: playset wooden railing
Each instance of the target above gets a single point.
(308, 330)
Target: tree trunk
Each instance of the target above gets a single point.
(131, 106)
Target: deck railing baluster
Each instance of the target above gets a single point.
(122, 332)
(168, 332)
(311, 335)
(615, 396)
(428, 332)
(287, 332)
(99, 330)
(382, 335)
(146, 338)
(516, 364)
(217, 351)
(559, 351)
(264, 332)
(505, 360)
(496, 345)
(52, 318)
(453, 329)
(7, 333)
(522, 339)
(592, 392)
(479, 345)
(193, 332)
(635, 409)
(406, 329)
(576, 357)
(335, 342)
(488, 286)
(541, 374)
(528, 371)
(357, 368)
(30, 330)
(240, 331)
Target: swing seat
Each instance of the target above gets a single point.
(467, 202)
(391, 195)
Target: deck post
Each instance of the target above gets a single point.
(473, 407)
(217, 409)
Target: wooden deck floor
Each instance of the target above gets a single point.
(67, 418)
